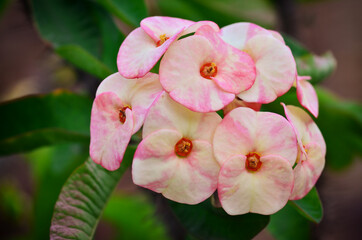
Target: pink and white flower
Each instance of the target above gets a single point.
(307, 95)
(311, 151)
(274, 62)
(175, 157)
(118, 111)
(204, 73)
(145, 45)
(256, 151)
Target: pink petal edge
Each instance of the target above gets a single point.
(307, 96)
(265, 191)
(138, 53)
(109, 137)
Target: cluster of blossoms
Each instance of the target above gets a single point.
(256, 160)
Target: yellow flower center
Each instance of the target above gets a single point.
(163, 39)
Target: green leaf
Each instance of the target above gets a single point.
(83, 198)
(84, 60)
(222, 12)
(81, 32)
(296, 47)
(340, 122)
(221, 113)
(181, 9)
(15, 203)
(134, 218)
(289, 224)
(40, 120)
(309, 64)
(111, 39)
(203, 221)
(130, 12)
(310, 206)
(4, 4)
(52, 166)
(64, 22)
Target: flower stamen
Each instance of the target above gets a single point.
(122, 113)
(208, 70)
(162, 40)
(183, 147)
(253, 162)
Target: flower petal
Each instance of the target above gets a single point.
(275, 67)
(188, 180)
(240, 103)
(180, 75)
(235, 134)
(156, 26)
(307, 78)
(277, 35)
(304, 126)
(139, 53)
(238, 34)
(265, 191)
(138, 93)
(275, 136)
(195, 26)
(307, 171)
(168, 114)
(109, 137)
(243, 131)
(307, 96)
(236, 69)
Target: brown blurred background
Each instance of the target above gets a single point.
(28, 65)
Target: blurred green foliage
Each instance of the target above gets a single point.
(310, 206)
(203, 221)
(222, 12)
(130, 12)
(39, 120)
(134, 217)
(289, 224)
(3, 5)
(14, 203)
(81, 32)
(309, 64)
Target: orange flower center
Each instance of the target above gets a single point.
(208, 70)
(253, 162)
(163, 39)
(183, 147)
(301, 157)
(122, 114)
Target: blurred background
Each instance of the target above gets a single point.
(30, 183)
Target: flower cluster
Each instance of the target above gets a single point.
(256, 160)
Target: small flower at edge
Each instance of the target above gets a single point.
(119, 111)
(312, 150)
